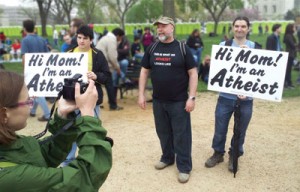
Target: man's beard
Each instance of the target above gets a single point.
(164, 37)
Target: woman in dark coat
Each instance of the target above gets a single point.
(291, 47)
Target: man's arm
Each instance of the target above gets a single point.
(193, 84)
(112, 56)
(142, 86)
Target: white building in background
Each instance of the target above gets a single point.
(11, 16)
(272, 9)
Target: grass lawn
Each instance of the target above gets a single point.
(208, 42)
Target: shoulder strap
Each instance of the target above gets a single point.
(257, 45)
(182, 49)
(153, 46)
(7, 164)
(228, 42)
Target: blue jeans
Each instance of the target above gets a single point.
(72, 153)
(43, 103)
(139, 56)
(223, 113)
(123, 66)
(173, 127)
(197, 55)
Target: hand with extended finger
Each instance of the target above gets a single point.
(86, 102)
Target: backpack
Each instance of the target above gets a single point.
(181, 45)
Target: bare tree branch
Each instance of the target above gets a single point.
(121, 7)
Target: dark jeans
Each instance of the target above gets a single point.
(173, 127)
(288, 73)
(111, 94)
(223, 113)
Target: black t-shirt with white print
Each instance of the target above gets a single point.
(169, 71)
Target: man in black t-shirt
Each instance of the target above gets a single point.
(173, 72)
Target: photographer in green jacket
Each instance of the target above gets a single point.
(26, 164)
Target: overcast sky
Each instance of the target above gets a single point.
(14, 3)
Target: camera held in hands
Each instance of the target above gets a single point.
(68, 91)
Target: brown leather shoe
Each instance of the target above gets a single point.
(42, 118)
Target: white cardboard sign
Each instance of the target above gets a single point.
(45, 72)
(250, 72)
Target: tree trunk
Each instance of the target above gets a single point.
(169, 8)
(216, 26)
(43, 17)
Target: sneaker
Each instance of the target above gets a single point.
(161, 165)
(42, 118)
(32, 115)
(230, 164)
(183, 177)
(214, 160)
(118, 108)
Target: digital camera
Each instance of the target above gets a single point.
(68, 90)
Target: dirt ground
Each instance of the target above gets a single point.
(272, 149)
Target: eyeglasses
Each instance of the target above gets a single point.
(29, 102)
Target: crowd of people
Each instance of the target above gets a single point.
(174, 68)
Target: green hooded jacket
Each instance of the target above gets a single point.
(36, 164)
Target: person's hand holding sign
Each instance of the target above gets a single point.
(91, 75)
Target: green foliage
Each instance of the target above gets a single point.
(144, 11)
(236, 4)
(289, 15)
(194, 5)
(90, 11)
(16, 67)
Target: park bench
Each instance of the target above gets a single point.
(132, 78)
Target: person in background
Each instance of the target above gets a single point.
(67, 42)
(2, 37)
(55, 38)
(16, 50)
(147, 38)
(136, 52)
(33, 43)
(204, 69)
(96, 35)
(260, 29)
(108, 45)
(290, 47)
(273, 40)
(8, 41)
(32, 162)
(105, 31)
(266, 29)
(123, 59)
(194, 42)
(74, 26)
(226, 104)
(171, 77)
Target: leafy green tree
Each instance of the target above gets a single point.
(150, 11)
(289, 15)
(189, 10)
(90, 11)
